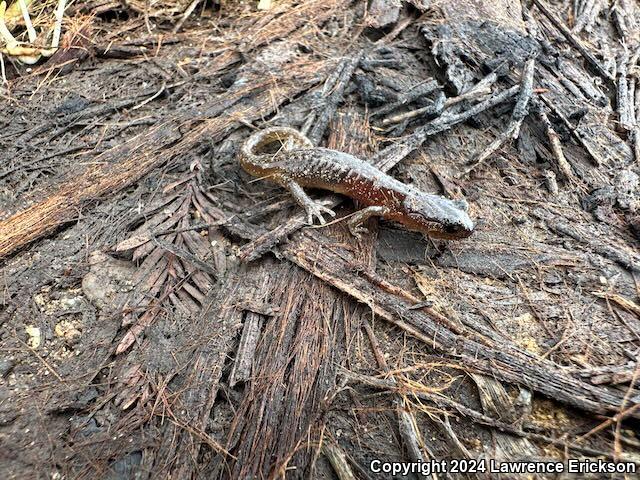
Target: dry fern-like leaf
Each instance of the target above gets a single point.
(173, 251)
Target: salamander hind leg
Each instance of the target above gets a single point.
(355, 223)
(313, 208)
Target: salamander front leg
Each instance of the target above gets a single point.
(355, 223)
(313, 208)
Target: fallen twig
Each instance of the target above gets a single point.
(574, 131)
(587, 55)
(517, 117)
(384, 160)
(556, 147)
(187, 13)
(321, 257)
(338, 461)
(625, 21)
(474, 94)
(413, 94)
(395, 153)
(624, 103)
(587, 16)
(479, 91)
(480, 418)
(321, 120)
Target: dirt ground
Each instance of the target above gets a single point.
(165, 315)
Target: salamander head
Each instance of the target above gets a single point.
(437, 217)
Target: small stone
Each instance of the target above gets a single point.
(66, 330)
(34, 336)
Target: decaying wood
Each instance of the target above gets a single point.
(506, 362)
(613, 375)
(479, 91)
(625, 21)
(498, 403)
(556, 146)
(573, 40)
(157, 147)
(214, 360)
(517, 117)
(574, 131)
(384, 160)
(395, 153)
(421, 90)
(338, 461)
(608, 249)
(201, 379)
(320, 121)
(586, 14)
(163, 142)
(407, 424)
(477, 416)
(294, 362)
(253, 325)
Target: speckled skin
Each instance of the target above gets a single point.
(299, 164)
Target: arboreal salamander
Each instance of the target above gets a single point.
(299, 164)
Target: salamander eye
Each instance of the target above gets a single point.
(453, 228)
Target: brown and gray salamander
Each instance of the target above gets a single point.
(299, 164)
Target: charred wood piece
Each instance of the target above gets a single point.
(346, 68)
(575, 42)
(517, 117)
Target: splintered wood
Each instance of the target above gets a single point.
(128, 163)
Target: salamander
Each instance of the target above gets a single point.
(299, 164)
